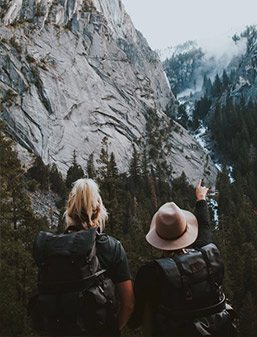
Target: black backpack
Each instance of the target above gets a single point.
(193, 302)
(74, 297)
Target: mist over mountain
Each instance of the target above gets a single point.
(218, 99)
(187, 63)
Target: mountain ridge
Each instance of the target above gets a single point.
(72, 75)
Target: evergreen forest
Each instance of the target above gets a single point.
(131, 199)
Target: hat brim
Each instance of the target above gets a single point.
(183, 241)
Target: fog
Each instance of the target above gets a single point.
(223, 49)
(171, 22)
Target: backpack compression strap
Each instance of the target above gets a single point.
(210, 271)
(174, 271)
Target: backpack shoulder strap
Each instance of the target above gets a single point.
(175, 274)
(170, 271)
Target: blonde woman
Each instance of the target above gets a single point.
(79, 272)
(86, 210)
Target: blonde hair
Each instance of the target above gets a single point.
(85, 207)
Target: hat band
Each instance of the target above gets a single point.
(174, 237)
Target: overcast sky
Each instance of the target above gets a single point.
(166, 23)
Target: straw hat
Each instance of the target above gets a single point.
(172, 228)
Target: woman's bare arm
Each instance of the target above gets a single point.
(126, 296)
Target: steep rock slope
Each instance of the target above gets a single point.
(73, 72)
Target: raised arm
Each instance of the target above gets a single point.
(202, 215)
(201, 191)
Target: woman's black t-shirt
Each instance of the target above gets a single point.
(113, 258)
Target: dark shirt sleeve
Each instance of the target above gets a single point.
(113, 258)
(120, 267)
(203, 218)
(147, 292)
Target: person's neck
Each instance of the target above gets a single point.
(171, 253)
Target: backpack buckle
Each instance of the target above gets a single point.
(188, 294)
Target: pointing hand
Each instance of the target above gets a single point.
(201, 191)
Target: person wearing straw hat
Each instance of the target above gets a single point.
(172, 231)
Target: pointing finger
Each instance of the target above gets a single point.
(199, 183)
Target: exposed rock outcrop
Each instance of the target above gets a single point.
(72, 72)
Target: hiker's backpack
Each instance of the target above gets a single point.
(74, 297)
(193, 302)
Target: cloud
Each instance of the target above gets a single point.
(171, 22)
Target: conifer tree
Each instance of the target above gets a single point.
(204, 82)
(183, 193)
(112, 190)
(225, 80)
(18, 230)
(134, 171)
(103, 159)
(225, 201)
(248, 319)
(208, 90)
(40, 172)
(91, 171)
(56, 181)
(74, 172)
(217, 85)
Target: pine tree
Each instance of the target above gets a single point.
(91, 171)
(183, 193)
(103, 159)
(204, 82)
(208, 90)
(225, 79)
(18, 230)
(216, 88)
(134, 172)
(40, 172)
(56, 181)
(248, 319)
(226, 207)
(75, 171)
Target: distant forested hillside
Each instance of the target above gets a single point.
(227, 110)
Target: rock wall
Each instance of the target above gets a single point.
(73, 72)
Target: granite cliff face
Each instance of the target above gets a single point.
(73, 72)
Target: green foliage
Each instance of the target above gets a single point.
(158, 130)
(91, 171)
(201, 110)
(75, 171)
(182, 116)
(237, 235)
(131, 200)
(207, 86)
(40, 172)
(217, 87)
(9, 96)
(234, 128)
(18, 230)
(225, 80)
(56, 181)
(15, 44)
(250, 34)
(180, 67)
